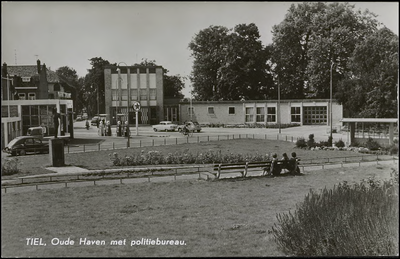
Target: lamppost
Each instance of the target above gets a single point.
(98, 104)
(128, 99)
(279, 106)
(330, 103)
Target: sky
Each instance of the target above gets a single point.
(71, 33)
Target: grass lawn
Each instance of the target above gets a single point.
(228, 217)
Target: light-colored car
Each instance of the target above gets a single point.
(191, 125)
(79, 118)
(165, 126)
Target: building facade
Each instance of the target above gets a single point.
(263, 112)
(125, 85)
(30, 93)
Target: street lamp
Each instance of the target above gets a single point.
(330, 103)
(129, 97)
(279, 106)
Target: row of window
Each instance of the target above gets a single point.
(31, 96)
(312, 114)
(134, 94)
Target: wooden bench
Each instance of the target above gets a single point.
(242, 168)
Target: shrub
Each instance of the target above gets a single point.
(301, 143)
(361, 220)
(339, 143)
(10, 166)
(372, 144)
(330, 141)
(183, 157)
(323, 144)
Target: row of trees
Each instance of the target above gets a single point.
(313, 39)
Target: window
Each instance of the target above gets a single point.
(210, 110)
(249, 114)
(21, 96)
(143, 94)
(295, 112)
(152, 94)
(231, 110)
(260, 116)
(134, 94)
(271, 114)
(124, 94)
(31, 96)
(26, 79)
(114, 95)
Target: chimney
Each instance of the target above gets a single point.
(4, 70)
(38, 66)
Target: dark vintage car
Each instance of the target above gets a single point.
(26, 144)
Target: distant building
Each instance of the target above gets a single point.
(30, 93)
(125, 85)
(262, 112)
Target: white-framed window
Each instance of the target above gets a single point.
(295, 114)
(21, 96)
(231, 111)
(26, 79)
(114, 95)
(249, 114)
(124, 94)
(31, 96)
(260, 114)
(134, 94)
(143, 94)
(271, 114)
(210, 110)
(152, 93)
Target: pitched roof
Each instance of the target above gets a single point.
(31, 70)
(22, 71)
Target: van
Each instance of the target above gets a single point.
(35, 131)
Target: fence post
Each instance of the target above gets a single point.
(292, 139)
(286, 137)
(113, 145)
(277, 137)
(198, 139)
(83, 148)
(218, 137)
(98, 146)
(165, 141)
(253, 136)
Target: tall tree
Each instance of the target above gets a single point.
(69, 80)
(230, 64)
(311, 38)
(93, 91)
(208, 52)
(371, 88)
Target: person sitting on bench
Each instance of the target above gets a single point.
(275, 167)
(293, 164)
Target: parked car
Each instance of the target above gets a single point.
(25, 144)
(84, 116)
(165, 125)
(94, 121)
(191, 125)
(79, 118)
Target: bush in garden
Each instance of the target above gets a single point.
(183, 157)
(371, 144)
(301, 143)
(358, 220)
(10, 166)
(339, 143)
